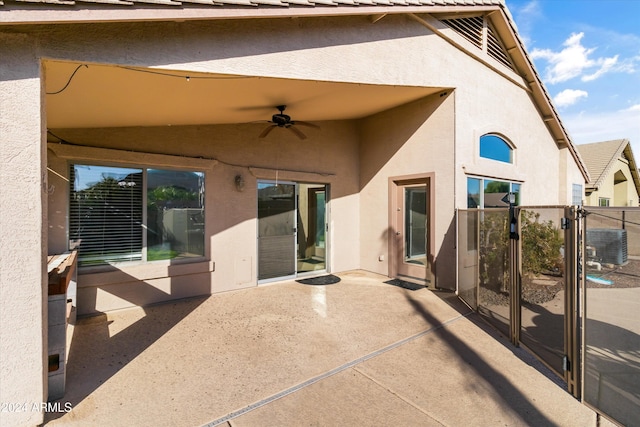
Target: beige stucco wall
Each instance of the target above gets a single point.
(421, 142)
(328, 157)
(436, 135)
(621, 194)
(570, 174)
(23, 308)
(498, 106)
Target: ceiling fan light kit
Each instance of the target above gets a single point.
(282, 120)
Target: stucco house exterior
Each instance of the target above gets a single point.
(614, 173)
(147, 135)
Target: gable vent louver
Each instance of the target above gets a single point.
(469, 28)
(496, 50)
(472, 29)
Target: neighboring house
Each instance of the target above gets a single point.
(138, 130)
(614, 173)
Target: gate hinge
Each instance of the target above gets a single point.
(565, 223)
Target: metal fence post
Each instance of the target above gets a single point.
(514, 273)
(573, 249)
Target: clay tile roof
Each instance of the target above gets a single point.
(254, 3)
(601, 157)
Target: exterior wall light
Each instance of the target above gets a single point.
(239, 181)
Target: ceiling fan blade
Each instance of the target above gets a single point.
(297, 132)
(266, 131)
(311, 125)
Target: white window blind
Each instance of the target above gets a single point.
(105, 214)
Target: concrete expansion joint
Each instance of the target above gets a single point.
(400, 396)
(226, 420)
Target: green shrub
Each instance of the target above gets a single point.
(541, 244)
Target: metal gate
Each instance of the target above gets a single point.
(563, 282)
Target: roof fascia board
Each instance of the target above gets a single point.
(28, 15)
(628, 152)
(541, 97)
(615, 155)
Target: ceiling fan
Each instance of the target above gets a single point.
(282, 120)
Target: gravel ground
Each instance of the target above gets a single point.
(532, 293)
(542, 289)
(622, 276)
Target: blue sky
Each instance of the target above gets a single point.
(587, 53)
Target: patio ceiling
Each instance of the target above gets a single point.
(88, 95)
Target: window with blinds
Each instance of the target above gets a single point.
(133, 214)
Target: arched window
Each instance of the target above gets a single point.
(495, 148)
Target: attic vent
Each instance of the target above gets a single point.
(472, 29)
(496, 50)
(469, 28)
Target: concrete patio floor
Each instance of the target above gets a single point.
(357, 353)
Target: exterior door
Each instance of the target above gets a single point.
(276, 230)
(291, 229)
(312, 228)
(410, 248)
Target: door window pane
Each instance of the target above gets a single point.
(415, 225)
(311, 227)
(276, 230)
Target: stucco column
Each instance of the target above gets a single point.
(23, 309)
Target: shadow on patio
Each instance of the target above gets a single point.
(359, 352)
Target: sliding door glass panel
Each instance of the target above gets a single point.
(276, 230)
(311, 228)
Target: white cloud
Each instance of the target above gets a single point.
(573, 61)
(607, 65)
(589, 127)
(569, 97)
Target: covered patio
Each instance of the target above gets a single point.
(358, 352)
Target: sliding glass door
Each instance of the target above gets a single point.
(292, 229)
(276, 230)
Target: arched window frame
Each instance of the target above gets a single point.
(498, 157)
